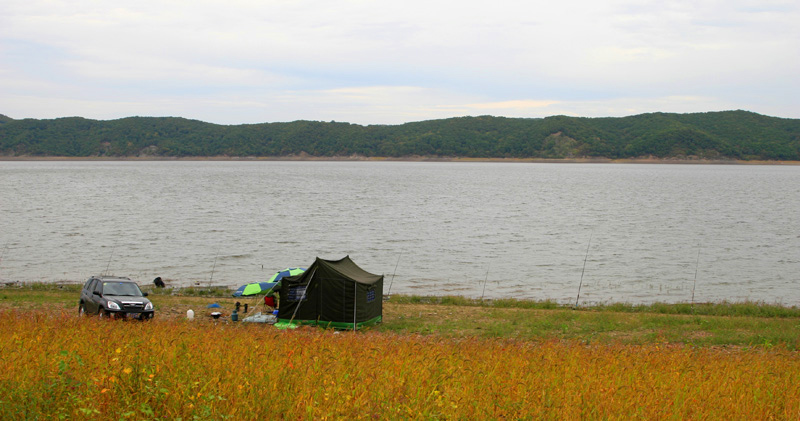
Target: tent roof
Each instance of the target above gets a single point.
(347, 268)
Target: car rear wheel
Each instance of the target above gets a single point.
(81, 310)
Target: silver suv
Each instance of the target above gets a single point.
(113, 296)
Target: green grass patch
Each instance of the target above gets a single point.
(740, 309)
(722, 324)
(607, 324)
(194, 291)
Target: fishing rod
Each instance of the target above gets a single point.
(213, 267)
(393, 273)
(584, 269)
(109, 259)
(696, 265)
(484, 284)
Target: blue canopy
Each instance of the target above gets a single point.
(254, 289)
(284, 273)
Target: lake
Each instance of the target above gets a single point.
(637, 233)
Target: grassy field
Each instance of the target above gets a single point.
(432, 358)
(723, 324)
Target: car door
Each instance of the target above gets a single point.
(98, 298)
(95, 306)
(86, 296)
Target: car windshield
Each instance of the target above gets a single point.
(121, 288)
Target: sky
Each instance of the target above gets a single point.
(391, 62)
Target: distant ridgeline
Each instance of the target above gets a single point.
(715, 135)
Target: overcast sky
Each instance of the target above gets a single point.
(391, 62)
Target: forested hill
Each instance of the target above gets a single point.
(715, 135)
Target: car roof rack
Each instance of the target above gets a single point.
(114, 278)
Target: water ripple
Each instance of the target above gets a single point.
(528, 224)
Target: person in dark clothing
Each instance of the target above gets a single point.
(159, 283)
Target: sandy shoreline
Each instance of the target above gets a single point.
(410, 159)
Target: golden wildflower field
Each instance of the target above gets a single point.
(57, 365)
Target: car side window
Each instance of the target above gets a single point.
(98, 286)
(87, 285)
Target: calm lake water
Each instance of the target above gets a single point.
(653, 232)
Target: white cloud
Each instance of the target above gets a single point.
(376, 62)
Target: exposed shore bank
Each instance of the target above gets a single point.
(355, 158)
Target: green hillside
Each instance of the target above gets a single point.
(715, 135)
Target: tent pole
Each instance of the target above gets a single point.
(355, 302)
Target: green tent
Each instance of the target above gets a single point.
(332, 293)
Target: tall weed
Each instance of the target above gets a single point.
(63, 366)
